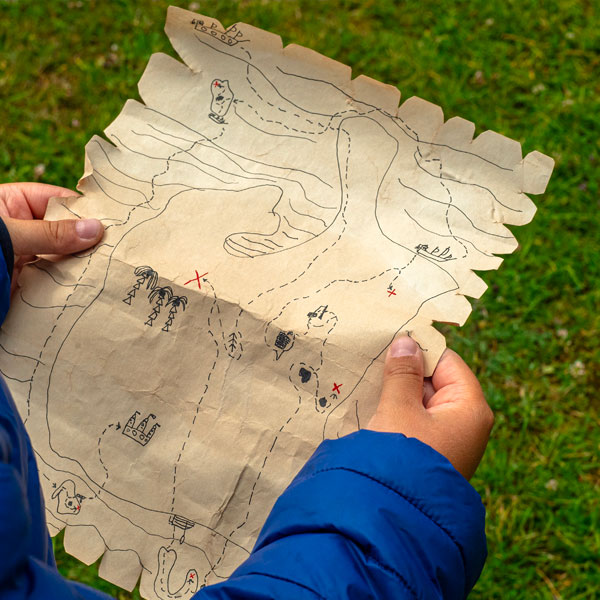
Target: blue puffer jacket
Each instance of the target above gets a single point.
(371, 515)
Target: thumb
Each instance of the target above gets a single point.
(401, 399)
(53, 237)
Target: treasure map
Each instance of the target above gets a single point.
(271, 225)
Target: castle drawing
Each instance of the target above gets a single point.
(139, 433)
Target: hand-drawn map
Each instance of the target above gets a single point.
(271, 226)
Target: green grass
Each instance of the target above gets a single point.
(528, 70)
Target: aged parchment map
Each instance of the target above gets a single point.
(271, 225)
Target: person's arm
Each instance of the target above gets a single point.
(383, 514)
(27, 569)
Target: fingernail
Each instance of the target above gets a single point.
(88, 229)
(404, 346)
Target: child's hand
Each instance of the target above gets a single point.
(448, 412)
(22, 207)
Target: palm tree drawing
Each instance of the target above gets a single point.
(145, 275)
(175, 302)
(158, 295)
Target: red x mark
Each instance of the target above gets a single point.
(336, 387)
(391, 293)
(197, 278)
(217, 83)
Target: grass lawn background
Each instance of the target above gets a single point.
(528, 70)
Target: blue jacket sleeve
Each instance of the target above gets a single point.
(371, 515)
